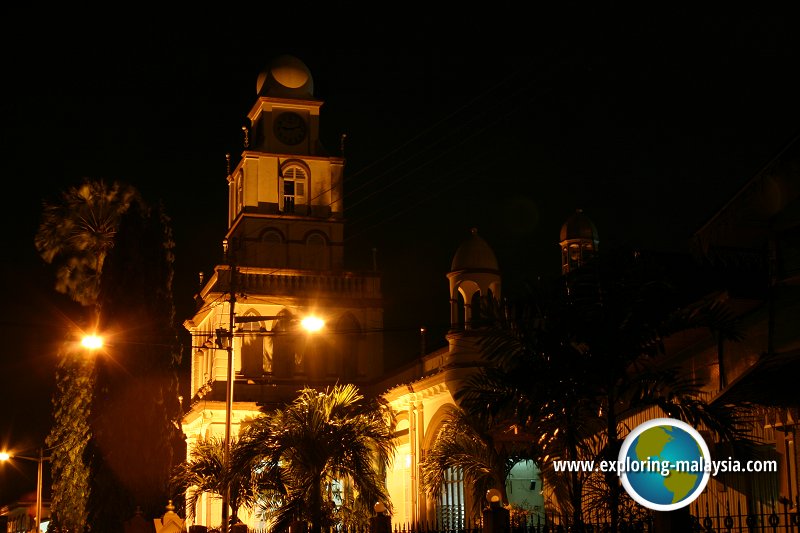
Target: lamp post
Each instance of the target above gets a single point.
(225, 339)
(40, 459)
(91, 342)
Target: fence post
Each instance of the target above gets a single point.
(381, 522)
(668, 521)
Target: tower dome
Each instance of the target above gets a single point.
(474, 254)
(286, 77)
(579, 226)
(475, 281)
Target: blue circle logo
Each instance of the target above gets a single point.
(664, 464)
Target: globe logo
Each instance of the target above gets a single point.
(663, 464)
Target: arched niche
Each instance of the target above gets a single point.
(254, 351)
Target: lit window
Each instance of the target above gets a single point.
(575, 252)
(450, 507)
(294, 188)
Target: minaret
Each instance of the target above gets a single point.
(474, 281)
(579, 241)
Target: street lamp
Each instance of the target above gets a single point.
(224, 341)
(92, 342)
(40, 459)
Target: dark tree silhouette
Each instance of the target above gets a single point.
(75, 235)
(116, 416)
(568, 365)
(136, 410)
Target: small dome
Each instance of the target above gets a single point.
(474, 254)
(579, 226)
(286, 77)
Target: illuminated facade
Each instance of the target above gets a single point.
(20, 516)
(284, 249)
(285, 261)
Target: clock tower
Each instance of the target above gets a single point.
(284, 261)
(285, 194)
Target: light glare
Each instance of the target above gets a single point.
(4, 456)
(312, 323)
(92, 342)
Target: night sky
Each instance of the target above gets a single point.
(648, 121)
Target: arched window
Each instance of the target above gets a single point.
(252, 347)
(477, 310)
(294, 188)
(575, 253)
(450, 507)
(198, 370)
(284, 346)
(274, 248)
(315, 255)
(458, 323)
(239, 191)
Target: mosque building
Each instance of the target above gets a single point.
(284, 263)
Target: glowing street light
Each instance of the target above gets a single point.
(312, 324)
(92, 342)
(224, 341)
(5, 456)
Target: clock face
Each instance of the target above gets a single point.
(290, 128)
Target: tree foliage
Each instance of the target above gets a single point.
(467, 443)
(136, 415)
(568, 365)
(206, 472)
(304, 451)
(69, 437)
(77, 232)
(116, 415)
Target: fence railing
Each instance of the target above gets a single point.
(540, 524)
(751, 523)
(764, 520)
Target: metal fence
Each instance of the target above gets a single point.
(762, 519)
(541, 524)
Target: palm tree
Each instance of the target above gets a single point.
(205, 472)
(536, 380)
(115, 432)
(315, 443)
(570, 366)
(466, 442)
(75, 234)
